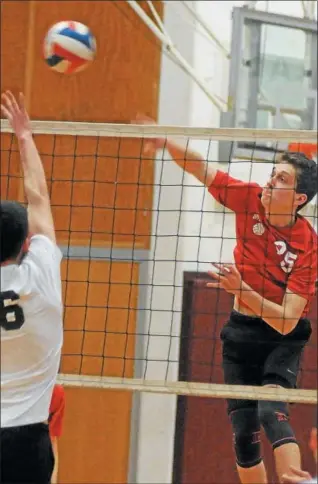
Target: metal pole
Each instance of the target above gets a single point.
(172, 50)
(207, 29)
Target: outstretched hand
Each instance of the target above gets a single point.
(296, 476)
(16, 113)
(227, 278)
(151, 144)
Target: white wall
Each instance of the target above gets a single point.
(157, 412)
(187, 225)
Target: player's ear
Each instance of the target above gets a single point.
(300, 199)
(26, 244)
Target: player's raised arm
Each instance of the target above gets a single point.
(36, 191)
(187, 159)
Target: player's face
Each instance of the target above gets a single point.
(279, 196)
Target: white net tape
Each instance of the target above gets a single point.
(212, 390)
(147, 131)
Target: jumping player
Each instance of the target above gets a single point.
(30, 315)
(273, 282)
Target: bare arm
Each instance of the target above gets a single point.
(56, 460)
(36, 191)
(188, 160)
(283, 318)
(192, 162)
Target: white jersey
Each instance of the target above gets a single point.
(312, 481)
(30, 355)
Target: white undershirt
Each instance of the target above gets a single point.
(30, 356)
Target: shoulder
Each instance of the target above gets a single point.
(43, 257)
(232, 189)
(43, 247)
(225, 179)
(42, 264)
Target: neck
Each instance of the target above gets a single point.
(281, 220)
(8, 263)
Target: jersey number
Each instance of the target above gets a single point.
(288, 262)
(11, 314)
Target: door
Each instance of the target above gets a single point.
(203, 438)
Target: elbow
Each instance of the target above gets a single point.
(36, 197)
(288, 325)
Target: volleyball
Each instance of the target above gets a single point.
(69, 47)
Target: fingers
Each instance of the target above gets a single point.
(13, 101)
(218, 278)
(226, 268)
(10, 102)
(215, 285)
(289, 480)
(300, 473)
(223, 268)
(295, 475)
(6, 112)
(143, 119)
(216, 275)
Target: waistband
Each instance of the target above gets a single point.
(33, 426)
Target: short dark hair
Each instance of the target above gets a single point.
(306, 174)
(14, 229)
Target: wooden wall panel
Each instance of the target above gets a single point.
(101, 190)
(100, 317)
(10, 163)
(14, 44)
(94, 447)
(122, 81)
(109, 202)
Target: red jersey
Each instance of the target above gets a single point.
(56, 413)
(270, 259)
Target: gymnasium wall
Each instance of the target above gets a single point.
(98, 294)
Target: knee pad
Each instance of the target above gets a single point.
(246, 436)
(274, 418)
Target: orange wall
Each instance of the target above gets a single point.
(99, 339)
(122, 81)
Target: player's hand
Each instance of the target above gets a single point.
(151, 145)
(227, 277)
(16, 114)
(295, 476)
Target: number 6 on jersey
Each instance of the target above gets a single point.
(11, 314)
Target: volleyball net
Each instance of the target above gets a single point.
(138, 235)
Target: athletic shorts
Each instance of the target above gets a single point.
(255, 354)
(26, 454)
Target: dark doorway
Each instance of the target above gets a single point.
(203, 438)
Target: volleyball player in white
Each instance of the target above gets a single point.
(30, 315)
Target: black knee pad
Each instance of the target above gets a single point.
(246, 435)
(274, 418)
